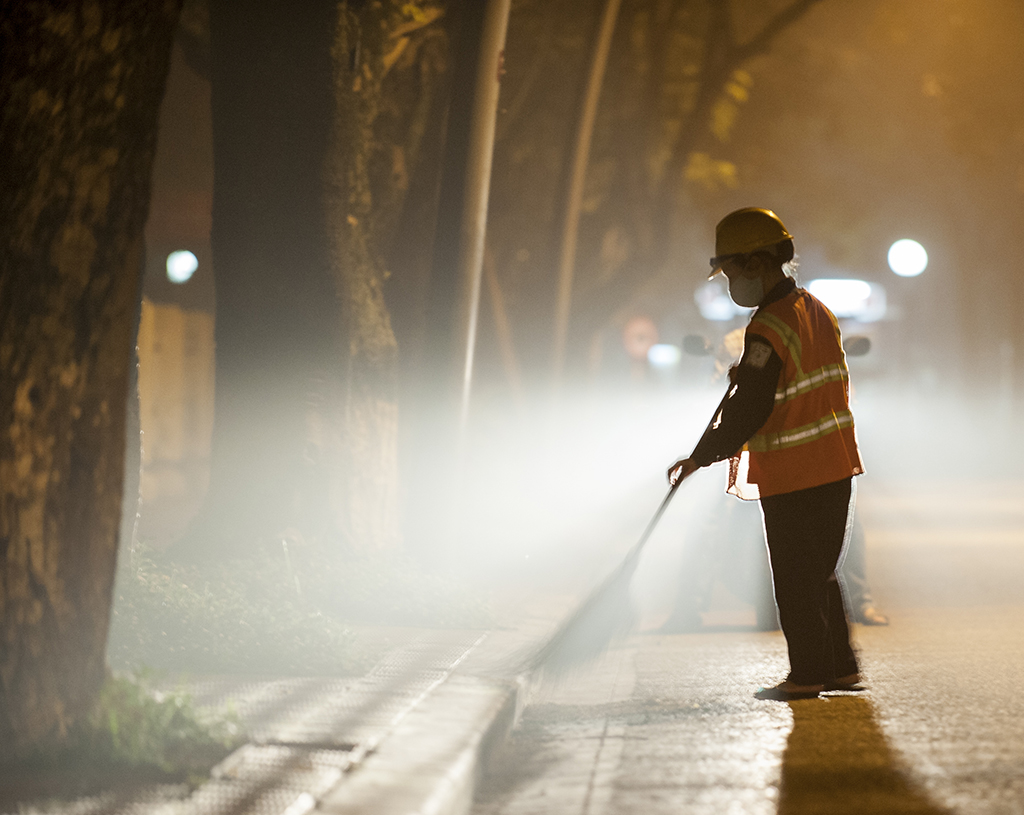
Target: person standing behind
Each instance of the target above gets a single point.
(789, 413)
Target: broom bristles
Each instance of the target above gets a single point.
(606, 615)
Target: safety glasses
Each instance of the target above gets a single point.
(718, 262)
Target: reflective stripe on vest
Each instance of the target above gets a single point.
(833, 372)
(809, 438)
(788, 336)
(801, 384)
(806, 382)
(800, 435)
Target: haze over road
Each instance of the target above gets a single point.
(668, 724)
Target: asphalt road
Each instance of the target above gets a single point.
(669, 724)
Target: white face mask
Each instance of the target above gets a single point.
(746, 291)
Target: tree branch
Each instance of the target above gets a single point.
(723, 57)
(779, 23)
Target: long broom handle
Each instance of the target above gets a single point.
(615, 583)
(635, 552)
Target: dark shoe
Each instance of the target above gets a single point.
(788, 691)
(869, 615)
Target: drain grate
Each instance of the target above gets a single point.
(305, 733)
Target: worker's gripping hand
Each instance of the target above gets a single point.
(681, 470)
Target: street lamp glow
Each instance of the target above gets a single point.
(844, 298)
(907, 258)
(664, 355)
(181, 265)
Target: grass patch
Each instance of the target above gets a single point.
(134, 736)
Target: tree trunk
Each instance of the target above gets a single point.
(308, 188)
(276, 327)
(80, 88)
(368, 499)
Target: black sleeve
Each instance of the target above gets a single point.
(749, 406)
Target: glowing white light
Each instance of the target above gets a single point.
(301, 805)
(714, 302)
(663, 355)
(843, 297)
(181, 265)
(907, 258)
(857, 299)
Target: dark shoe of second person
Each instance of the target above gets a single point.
(683, 620)
(869, 615)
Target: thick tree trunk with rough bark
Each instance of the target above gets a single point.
(80, 88)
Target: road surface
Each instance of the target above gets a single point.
(668, 724)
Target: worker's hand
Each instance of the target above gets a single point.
(681, 469)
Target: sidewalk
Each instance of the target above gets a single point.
(411, 736)
(433, 754)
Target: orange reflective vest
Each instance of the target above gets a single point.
(809, 438)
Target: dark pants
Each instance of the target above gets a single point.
(805, 531)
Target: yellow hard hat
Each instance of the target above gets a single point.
(744, 231)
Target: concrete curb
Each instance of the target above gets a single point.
(431, 763)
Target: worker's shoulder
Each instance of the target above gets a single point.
(797, 306)
(777, 314)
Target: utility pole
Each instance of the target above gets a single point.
(453, 306)
(577, 179)
(456, 270)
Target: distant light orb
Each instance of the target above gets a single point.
(848, 297)
(907, 258)
(663, 355)
(181, 265)
(844, 298)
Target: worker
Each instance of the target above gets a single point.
(788, 432)
(745, 569)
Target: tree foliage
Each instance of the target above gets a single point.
(678, 79)
(883, 121)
